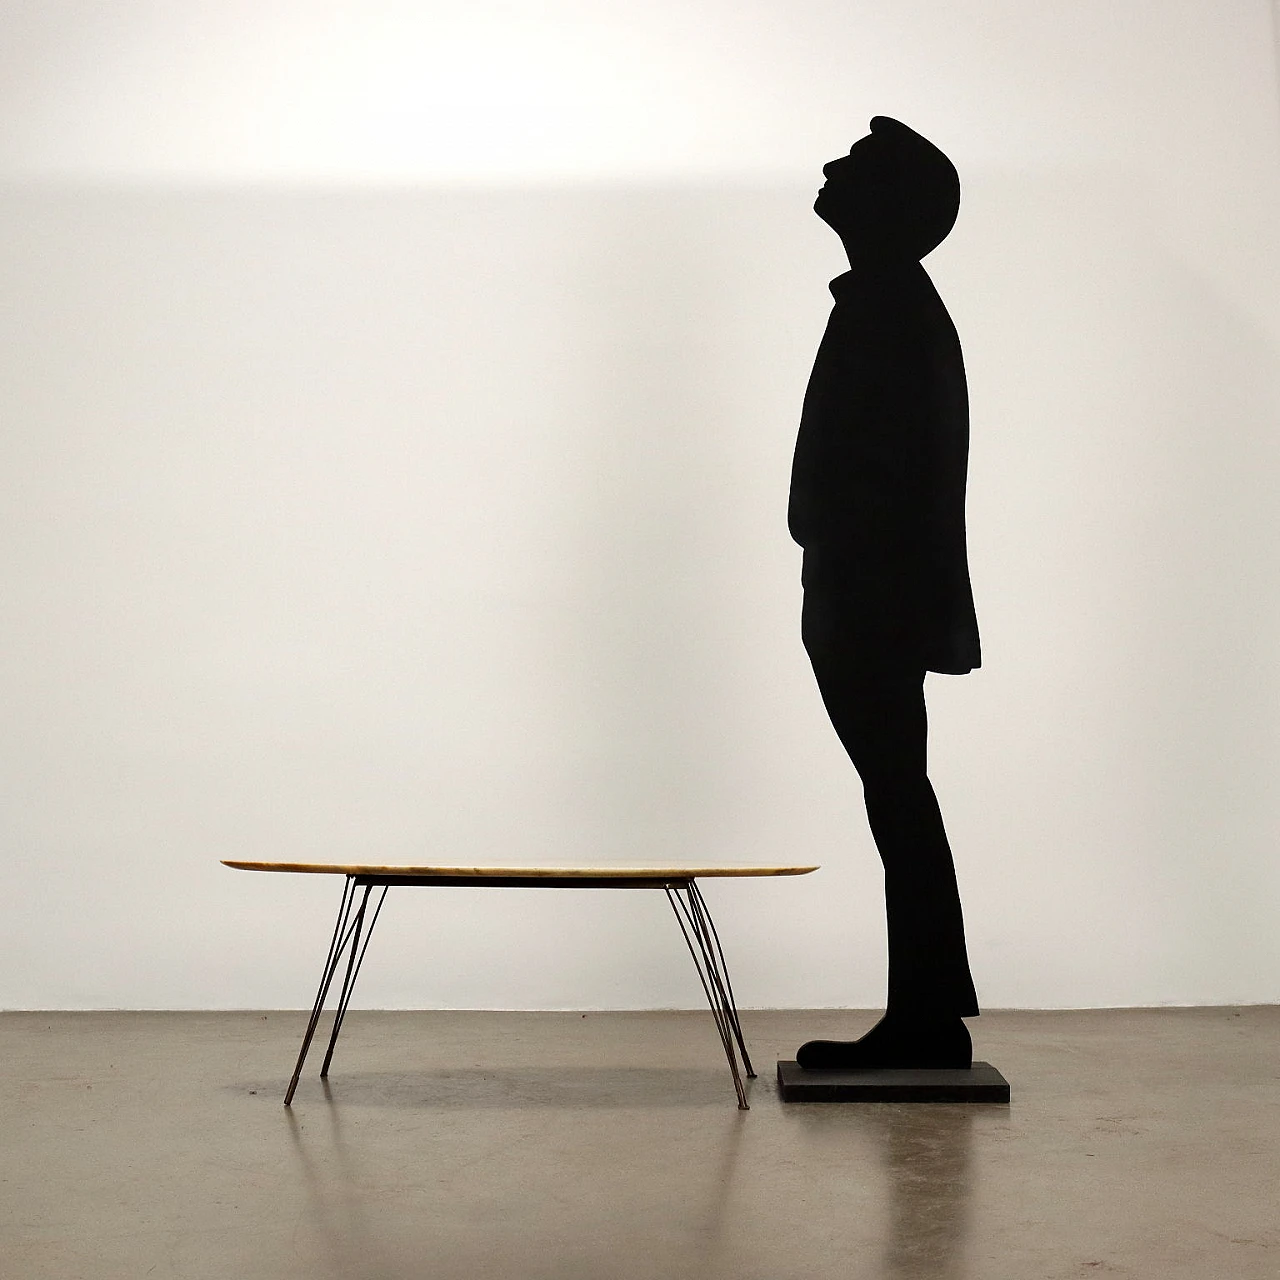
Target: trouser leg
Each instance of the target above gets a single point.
(928, 960)
(876, 704)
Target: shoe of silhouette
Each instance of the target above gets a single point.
(894, 1043)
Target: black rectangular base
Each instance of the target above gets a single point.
(981, 1083)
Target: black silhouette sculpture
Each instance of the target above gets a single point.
(877, 503)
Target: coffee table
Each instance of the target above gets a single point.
(355, 922)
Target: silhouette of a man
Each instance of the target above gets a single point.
(877, 503)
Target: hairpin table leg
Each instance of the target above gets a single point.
(346, 933)
(353, 971)
(708, 957)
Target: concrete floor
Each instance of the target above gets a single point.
(608, 1146)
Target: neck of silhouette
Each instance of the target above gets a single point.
(872, 257)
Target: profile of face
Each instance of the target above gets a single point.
(894, 196)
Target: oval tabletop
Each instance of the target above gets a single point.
(675, 871)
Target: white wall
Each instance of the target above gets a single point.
(397, 412)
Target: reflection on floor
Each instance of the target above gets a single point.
(608, 1146)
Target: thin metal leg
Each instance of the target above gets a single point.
(702, 937)
(712, 985)
(698, 938)
(716, 969)
(353, 971)
(336, 947)
(730, 1003)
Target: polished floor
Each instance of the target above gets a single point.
(608, 1146)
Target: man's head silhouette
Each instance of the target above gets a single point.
(895, 196)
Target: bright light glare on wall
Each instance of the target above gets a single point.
(491, 89)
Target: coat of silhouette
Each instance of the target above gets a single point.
(877, 503)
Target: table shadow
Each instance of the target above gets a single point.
(473, 1088)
